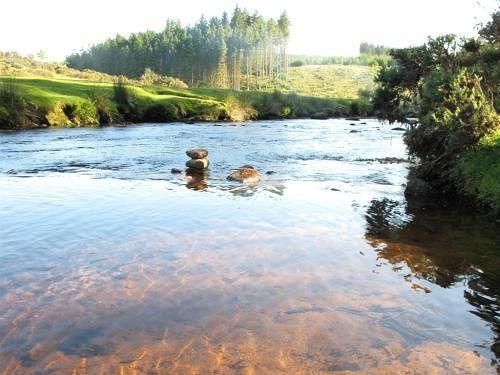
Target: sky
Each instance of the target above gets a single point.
(319, 27)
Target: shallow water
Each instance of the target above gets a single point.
(111, 264)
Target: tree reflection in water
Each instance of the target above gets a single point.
(444, 247)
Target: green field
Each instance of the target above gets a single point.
(329, 81)
(76, 102)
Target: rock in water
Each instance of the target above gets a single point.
(176, 170)
(246, 174)
(197, 154)
(199, 164)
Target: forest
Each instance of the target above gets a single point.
(216, 52)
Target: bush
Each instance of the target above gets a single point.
(15, 110)
(478, 171)
(149, 77)
(107, 112)
(57, 117)
(161, 113)
(297, 63)
(125, 101)
(239, 108)
(82, 113)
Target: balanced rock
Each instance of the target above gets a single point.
(246, 174)
(199, 164)
(197, 154)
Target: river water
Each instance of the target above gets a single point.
(110, 264)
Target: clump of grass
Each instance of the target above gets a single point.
(15, 110)
(162, 112)
(107, 113)
(56, 116)
(239, 108)
(82, 113)
(125, 100)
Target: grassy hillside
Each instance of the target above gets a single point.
(30, 101)
(330, 81)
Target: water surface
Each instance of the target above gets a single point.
(111, 264)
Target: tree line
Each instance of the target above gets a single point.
(214, 52)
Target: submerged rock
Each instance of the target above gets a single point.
(175, 171)
(399, 129)
(199, 164)
(246, 174)
(197, 153)
(270, 172)
(355, 131)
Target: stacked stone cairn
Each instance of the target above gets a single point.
(199, 162)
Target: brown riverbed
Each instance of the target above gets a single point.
(110, 264)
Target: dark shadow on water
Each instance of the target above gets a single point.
(444, 247)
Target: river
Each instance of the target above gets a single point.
(110, 264)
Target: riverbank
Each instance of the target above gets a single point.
(29, 102)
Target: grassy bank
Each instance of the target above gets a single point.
(32, 101)
(478, 172)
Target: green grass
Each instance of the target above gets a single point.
(58, 98)
(329, 81)
(478, 171)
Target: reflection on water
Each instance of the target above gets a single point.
(110, 265)
(444, 247)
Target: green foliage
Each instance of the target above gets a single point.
(363, 59)
(478, 171)
(13, 64)
(163, 113)
(57, 117)
(78, 103)
(214, 52)
(239, 108)
(372, 49)
(149, 77)
(15, 110)
(453, 86)
(297, 63)
(83, 113)
(125, 101)
(107, 113)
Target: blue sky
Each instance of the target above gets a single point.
(328, 27)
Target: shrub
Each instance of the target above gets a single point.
(161, 113)
(239, 109)
(107, 112)
(15, 110)
(82, 113)
(297, 63)
(149, 77)
(125, 101)
(57, 117)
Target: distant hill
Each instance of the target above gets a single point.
(330, 81)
